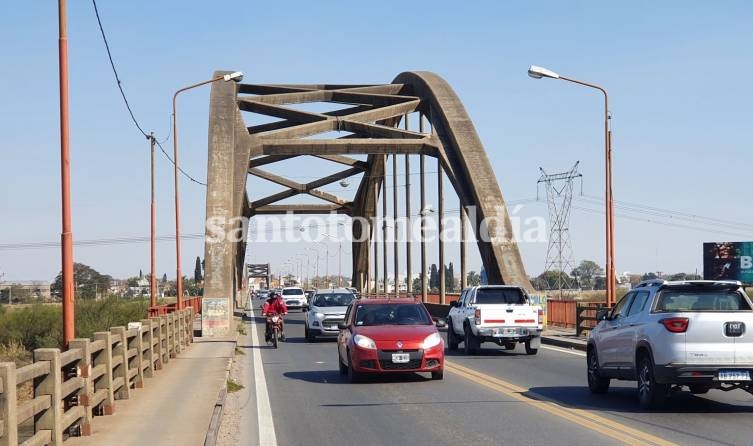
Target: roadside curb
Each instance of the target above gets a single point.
(214, 423)
(564, 342)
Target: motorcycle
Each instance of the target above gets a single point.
(274, 322)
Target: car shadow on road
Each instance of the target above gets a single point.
(625, 399)
(334, 377)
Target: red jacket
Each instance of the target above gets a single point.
(274, 305)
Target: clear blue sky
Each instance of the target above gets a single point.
(678, 74)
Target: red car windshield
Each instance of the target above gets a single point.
(391, 314)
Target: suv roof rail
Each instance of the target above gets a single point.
(651, 282)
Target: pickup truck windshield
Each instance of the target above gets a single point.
(701, 300)
(500, 296)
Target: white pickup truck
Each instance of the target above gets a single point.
(494, 313)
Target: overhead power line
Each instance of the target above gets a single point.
(128, 105)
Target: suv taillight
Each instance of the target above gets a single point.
(675, 324)
(477, 316)
(541, 316)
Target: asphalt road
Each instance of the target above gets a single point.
(495, 397)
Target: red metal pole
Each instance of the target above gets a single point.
(153, 280)
(69, 299)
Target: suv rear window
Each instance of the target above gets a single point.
(500, 296)
(701, 300)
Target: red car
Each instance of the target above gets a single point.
(389, 336)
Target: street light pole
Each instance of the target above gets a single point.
(538, 73)
(237, 77)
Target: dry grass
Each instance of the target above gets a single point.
(15, 352)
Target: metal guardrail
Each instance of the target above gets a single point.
(72, 387)
(586, 317)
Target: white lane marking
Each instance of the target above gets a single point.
(267, 436)
(319, 362)
(563, 350)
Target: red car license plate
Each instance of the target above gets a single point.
(400, 358)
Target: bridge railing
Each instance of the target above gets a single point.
(73, 387)
(162, 310)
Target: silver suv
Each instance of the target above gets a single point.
(666, 335)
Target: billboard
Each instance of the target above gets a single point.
(728, 261)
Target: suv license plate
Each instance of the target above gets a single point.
(400, 358)
(734, 375)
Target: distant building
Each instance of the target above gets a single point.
(37, 288)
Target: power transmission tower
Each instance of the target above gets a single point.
(559, 195)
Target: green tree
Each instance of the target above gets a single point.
(88, 281)
(164, 279)
(433, 277)
(416, 285)
(585, 273)
(197, 276)
(449, 277)
(547, 280)
(473, 278)
(649, 276)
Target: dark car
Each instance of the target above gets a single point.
(389, 336)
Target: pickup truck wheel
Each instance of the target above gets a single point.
(452, 338)
(596, 383)
(470, 346)
(529, 350)
(510, 346)
(650, 393)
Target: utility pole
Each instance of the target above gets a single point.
(153, 279)
(66, 236)
(559, 194)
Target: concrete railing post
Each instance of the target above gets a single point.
(105, 382)
(50, 385)
(191, 316)
(86, 393)
(8, 403)
(157, 341)
(178, 331)
(138, 344)
(121, 370)
(165, 339)
(171, 334)
(147, 343)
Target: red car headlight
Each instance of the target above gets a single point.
(431, 341)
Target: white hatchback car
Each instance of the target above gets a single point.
(294, 297)
(666, 335)
(326, 312)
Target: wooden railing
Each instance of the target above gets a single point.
(71, 388)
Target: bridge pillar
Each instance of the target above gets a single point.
(228, 154)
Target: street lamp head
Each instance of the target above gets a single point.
(539, 72)
(237, 77)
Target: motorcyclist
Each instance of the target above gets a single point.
(274, 305)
